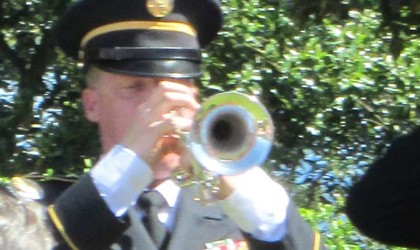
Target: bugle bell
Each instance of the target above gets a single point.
(231, 133)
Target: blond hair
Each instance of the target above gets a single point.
(23, 224)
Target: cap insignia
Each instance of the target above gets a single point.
(160, 8)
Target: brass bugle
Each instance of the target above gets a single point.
(231, 133)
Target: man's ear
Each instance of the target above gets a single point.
(90, 101)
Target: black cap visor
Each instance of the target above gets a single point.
(168, 68)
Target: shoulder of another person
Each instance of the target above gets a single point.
(44, 188)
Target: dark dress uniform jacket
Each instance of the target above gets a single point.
(385, 203)
(82, 220)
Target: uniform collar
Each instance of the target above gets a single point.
(170, 191)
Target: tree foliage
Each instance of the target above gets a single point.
(340, 79)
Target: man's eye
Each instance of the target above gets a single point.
(135, 88)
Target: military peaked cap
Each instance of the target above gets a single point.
(151, 38)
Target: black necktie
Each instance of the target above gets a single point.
(151, 202)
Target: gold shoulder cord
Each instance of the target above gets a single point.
(317, 240)
(60, 227)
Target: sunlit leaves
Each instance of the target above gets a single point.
(335, 92)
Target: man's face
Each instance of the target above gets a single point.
(133, 111)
